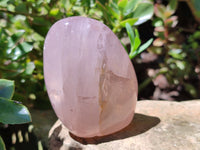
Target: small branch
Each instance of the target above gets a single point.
(17, 13)
(25, 14)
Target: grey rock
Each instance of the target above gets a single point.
(157, 125)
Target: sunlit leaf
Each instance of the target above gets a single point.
(6, 88)
(141, 48)
(122, 4)
(105, 12)
(137, 41)
(157, 22)
(131, 21)
(4, 3)
(14, 68)
(15, 38)
(13, 113)
(177, 54)
(158, 42)
(21, 49)
(172, 21)
(156, 50)
(113, 9)
(145, 45)
(180, 64)
(54, 12)
(29, 68)
(130, 32)
(144, 12)
(160, 11)
(130, 7)
(159, 29)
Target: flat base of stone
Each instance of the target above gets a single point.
(156, 125)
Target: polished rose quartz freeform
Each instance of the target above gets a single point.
(89, 77)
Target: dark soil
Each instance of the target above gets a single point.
(17, 137)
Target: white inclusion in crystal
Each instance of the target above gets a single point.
(67, 23)
(104, 65)
(55, 94)
(88, 26)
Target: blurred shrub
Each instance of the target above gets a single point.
(24, 25)
(179, 56)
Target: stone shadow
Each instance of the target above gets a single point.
(140, 124)
(54, 141)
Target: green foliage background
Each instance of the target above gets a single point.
(24, 25)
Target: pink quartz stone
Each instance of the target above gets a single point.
(89, 77)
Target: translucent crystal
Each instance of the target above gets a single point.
(89, 77)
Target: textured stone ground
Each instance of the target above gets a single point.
(42, 122)
(157, 125)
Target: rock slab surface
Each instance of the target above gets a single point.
(157, 125)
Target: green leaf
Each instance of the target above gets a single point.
(6, 88)
(54, 12)
(4, 3)
(131, 21)
(191, 89)
(21, 8)
(196, 35)
(137, 41)
(21, 49)
(157, 22)
(2, 145)
(122, 4)
(134, 38)
(13, 113)
(105, 11)
(15, 38)
(143, 12)
(160, 11)
(172, 5)
(130, 7)
(141, 49)
(145, 45)
(113, 9)
(177, 54)
(29, 68)
(130, 32)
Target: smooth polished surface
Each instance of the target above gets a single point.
(89, 77)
